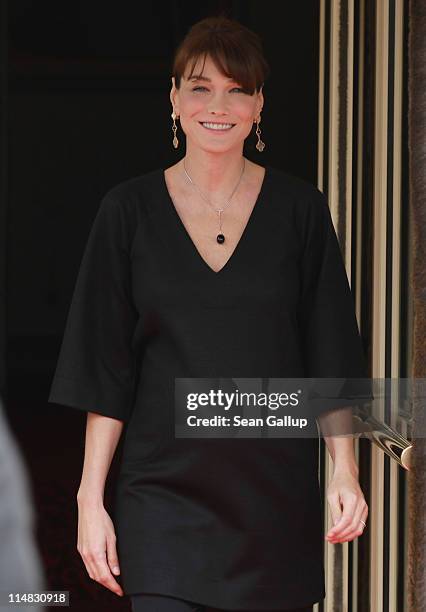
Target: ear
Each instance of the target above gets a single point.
(260, 100)
(174, 96)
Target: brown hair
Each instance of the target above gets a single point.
(235, 50)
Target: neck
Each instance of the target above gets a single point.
(215, 175)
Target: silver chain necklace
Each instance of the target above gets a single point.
(220, 237)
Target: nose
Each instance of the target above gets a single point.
(217, 114)
(217, 105)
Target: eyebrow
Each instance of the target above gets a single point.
(199, 77)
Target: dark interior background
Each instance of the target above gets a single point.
(86, 101)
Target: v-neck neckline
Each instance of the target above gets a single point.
(249, 226)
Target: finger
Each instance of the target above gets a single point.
(349, 501)
(112, 557)
(90, 561)
(356, 528)
(360, 528)
(103, 574)
(364, 516)
(356, 524)
(106, 578)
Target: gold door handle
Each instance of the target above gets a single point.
(386, 438)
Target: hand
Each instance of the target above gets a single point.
(344, 490)
(96, 544)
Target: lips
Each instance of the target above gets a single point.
(216, 123)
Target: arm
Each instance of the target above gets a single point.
(332, 349)
(96, 535)
(336, 427)
(96, 371)
(102, 436)
(343, 489)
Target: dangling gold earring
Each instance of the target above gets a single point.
(260, 145)
(174, 128)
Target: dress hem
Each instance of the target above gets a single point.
(165, 581)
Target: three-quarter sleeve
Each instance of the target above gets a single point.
(331, 342)
(96, 367)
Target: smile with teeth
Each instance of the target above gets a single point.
(217, 126)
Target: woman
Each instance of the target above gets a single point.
(214, 267)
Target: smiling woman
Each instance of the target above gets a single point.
(218, 107)
(219, 523)
(219, 69)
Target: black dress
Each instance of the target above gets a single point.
(229, 523)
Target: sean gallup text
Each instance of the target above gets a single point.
(238, 421)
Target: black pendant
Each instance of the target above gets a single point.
(220, 238)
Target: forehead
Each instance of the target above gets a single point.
(208, 73)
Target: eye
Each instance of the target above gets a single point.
(201, 87)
